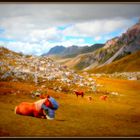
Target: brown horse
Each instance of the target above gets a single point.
(79, 93)
(103, 97)
(90, 98)
(33, 109)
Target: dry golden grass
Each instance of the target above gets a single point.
(118, 116)
(130, 63)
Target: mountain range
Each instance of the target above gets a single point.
(71, 51)
(102, 58)
(113, 50)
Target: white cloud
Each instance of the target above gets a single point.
(97, 27)
(71, 42)
(39, 41)
(50, 34)
(38, 49)
(18, 28)
(52, 14)
(34, 26)
(27, 48)
(20, 20)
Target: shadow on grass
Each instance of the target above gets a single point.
(60, 120)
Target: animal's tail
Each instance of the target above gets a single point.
(15, 110)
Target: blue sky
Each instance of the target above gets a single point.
(35, 28)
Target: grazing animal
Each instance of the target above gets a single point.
(103, 97)
(79, 93)
(38, 109)
(90, 98)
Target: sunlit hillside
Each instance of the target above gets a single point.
(130, 63)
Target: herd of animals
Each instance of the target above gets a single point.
(81, 93)
(45, 107)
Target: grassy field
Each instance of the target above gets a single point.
(119, 116)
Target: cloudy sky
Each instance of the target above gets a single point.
(34, 28)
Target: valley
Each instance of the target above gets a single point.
(111, 70)
(118, 116)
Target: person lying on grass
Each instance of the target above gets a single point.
(44, 108)
(49, 108)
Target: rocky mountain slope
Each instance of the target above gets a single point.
(57, 50)
(42, 71)
(127, 44)
(114, 49)
(130, 63)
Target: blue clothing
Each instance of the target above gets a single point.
(50, 111)
(54, 103)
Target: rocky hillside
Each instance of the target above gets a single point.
(114, 49)
(126, 44)
(42, 71)
(130, 63)
(93, 59)
(71, 50)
